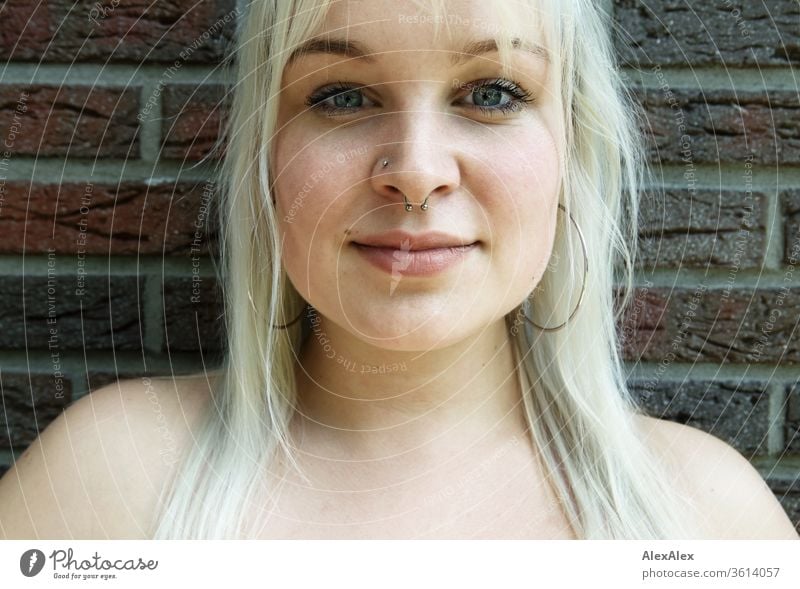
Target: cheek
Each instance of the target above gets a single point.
(311, 179)
(524, 198)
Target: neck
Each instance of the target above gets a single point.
(373, 400)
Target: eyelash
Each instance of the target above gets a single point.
(520, 98)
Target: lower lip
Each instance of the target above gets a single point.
(414, 263)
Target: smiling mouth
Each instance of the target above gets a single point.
(417, 262)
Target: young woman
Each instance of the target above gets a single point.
(422, 227)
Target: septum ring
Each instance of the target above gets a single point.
(409, 206)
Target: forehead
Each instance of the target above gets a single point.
(391, 25)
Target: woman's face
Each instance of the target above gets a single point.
(458, 134)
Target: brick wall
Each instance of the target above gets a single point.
(109, 113)
(711, 338)
(108, 116)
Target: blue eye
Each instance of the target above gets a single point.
(345, 98)
(486, 92)
(487, 97)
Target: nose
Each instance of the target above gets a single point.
(422, 163)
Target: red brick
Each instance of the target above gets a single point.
(644, 320)
(680, 33)
(128, 31)
(87, 312)
(30, 403)
(130, 218)
(792, 423)
(79, 121)
(193, 315)
(791, 209)
(707, 228)
(737, 326)
(721, 125)
(192, 120)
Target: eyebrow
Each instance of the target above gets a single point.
(356, 50)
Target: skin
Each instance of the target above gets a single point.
(447, 330)
(438, 450)
(448, 394)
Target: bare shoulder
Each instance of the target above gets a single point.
(98, 469)
(722, 483)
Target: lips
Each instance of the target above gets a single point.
(403, 254)
(402, 240)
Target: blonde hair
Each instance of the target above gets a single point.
(576, 400)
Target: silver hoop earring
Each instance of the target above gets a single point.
(583, 283)
(408, 205)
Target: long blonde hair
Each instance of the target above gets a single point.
(579, 410)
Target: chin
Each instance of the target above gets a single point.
(418, 331)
